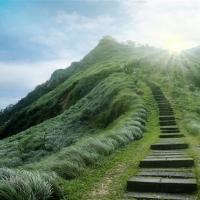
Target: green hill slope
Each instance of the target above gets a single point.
(67, 86)
(91, 109)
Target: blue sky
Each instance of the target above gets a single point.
(39, 36)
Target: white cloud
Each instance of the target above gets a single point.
(151, 19)
(72, 35)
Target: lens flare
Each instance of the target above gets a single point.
(174, 44)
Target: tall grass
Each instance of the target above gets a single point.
(72, 161)
(27, 185)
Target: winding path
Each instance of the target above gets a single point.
(166, 173)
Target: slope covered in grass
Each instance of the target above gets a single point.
(67, 86)
(90, 110)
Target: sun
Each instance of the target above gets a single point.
(174, 44)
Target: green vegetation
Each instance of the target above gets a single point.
(23, 185)
(92, 112)
(107, 179)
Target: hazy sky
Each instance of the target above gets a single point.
(39, 36)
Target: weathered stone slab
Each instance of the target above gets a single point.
(169, 174)
(167, 146)
(167, 156)
(170, 131)
(167, 162)
(164, 128)
(171, 135)
(157, 184)
(167, 123)
(168, 152)
(158, 196)
(168, 169)
(167, 117)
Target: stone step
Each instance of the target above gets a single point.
(165, 108)
(167, 123)
(167, 162)
(176, 151)
(170, 131)
(165, 112)
(167, 156)
(169, 174)
(158, 184)
(168, 146)
(157, 196)
(165, 128)
(163, 102)
(167, 120)
(161, 113)
(168, 151)
(167, 117)
(171, 135)
(170, 139)
(160, 99)
(187, 170)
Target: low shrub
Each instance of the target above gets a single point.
(67, 169)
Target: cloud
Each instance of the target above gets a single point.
(155, 18)
(34, 45)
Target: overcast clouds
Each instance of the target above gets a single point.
(40, 36)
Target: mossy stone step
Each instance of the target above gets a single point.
(164, 105)
(171, 135)
(167, 117)
(157, 196)
(168, 169)
(162, 112)
(166, 112)
(169, 146)
(170, 131)
(163, 115)
(158, 184)
(167, 162)
(167, 156)
(163, 101)
(163, 152)
(170, 139)
(167, 123)
(165, 108)
(167, 120)
(166, 128)
(169, 174)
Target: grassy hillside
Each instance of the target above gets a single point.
(66, 87)
(90, 111)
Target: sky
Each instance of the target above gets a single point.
(40, 36)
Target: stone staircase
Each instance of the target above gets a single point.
(166, 173)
